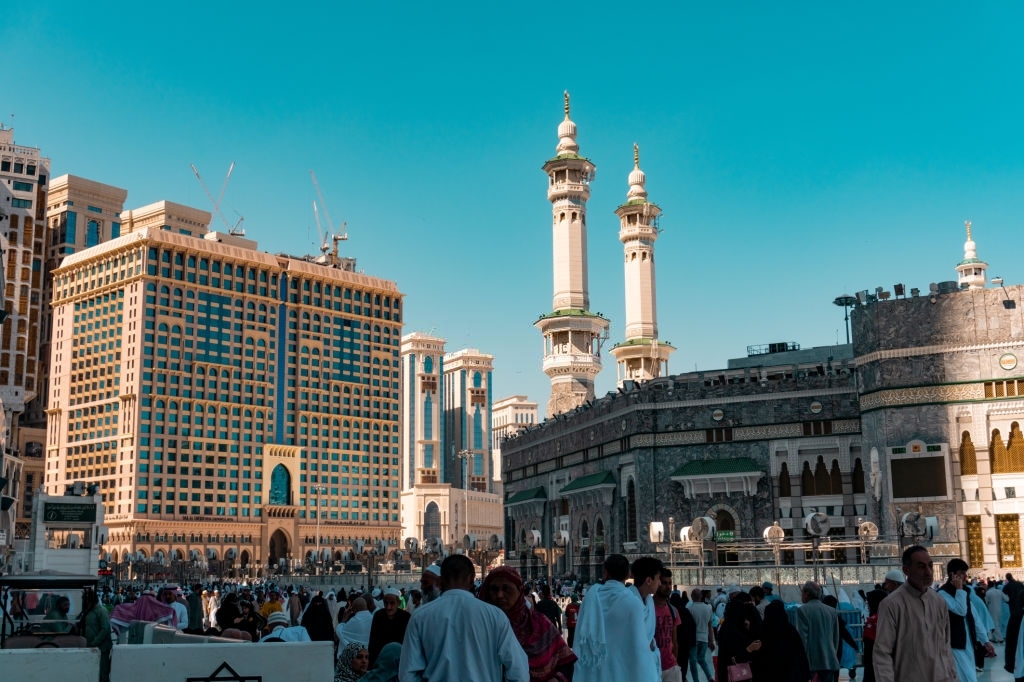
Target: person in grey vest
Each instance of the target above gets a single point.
(818, 625)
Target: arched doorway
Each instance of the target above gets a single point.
(278, 549)
(725, 521)
(431, 521)
(280, 485)
(245, 560)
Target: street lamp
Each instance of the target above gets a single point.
(319, 490)
(846, 301)
(465, 456)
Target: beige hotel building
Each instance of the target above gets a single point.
(218, 396)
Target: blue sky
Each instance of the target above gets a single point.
(798, 150)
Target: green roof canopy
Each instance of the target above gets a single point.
(602, 478)
(528, 495)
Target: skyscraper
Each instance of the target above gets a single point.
(572, 333)
(222, 398)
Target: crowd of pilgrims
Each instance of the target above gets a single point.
(368, 628)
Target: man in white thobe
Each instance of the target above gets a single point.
(613, 636)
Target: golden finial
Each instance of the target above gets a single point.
(968, 224)
(636, 155)
(566, 104)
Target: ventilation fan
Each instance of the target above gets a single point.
(211, 553)
(358, 546)
(702, 528)
(774, 534)
(533, 538)
(469, 541)
(433, 544)
(913, 525)
(494, 543)
(562, 538)
(412, 544)
(867, 531)
(193, 554)
(817, 523)
(657, 532)
(382, 547)
(397, 555)
(685, 534)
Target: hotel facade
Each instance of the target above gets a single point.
(218, 397)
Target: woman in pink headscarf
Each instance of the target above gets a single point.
(550, 657)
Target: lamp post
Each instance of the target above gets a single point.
(671, 539)
(846, 301)
(319, 490)
(464, 456)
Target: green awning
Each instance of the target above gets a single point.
(600, 479)
(528, 495)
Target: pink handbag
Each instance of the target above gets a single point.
(739, 671)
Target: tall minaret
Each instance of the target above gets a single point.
(971, 269)
(641, 356)
(572, 334)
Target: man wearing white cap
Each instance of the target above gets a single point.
(388, 624)
(281, 631)
(430, 583)
(893, 580)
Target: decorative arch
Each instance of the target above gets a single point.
(278, 548)
(785, 485)
(280, 485)
(968, 455)
(431, 521)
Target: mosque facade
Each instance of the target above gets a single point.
(838, 455)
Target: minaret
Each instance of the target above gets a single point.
(572, 334)
(641, 356)
(971, 269)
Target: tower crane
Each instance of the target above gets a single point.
(336, 237)
(237, 229)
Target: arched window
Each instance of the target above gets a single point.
(785, 487)
(280, 485)
(807, 479)
(858, 476)
(1015, 448)
(822, 481)
(837, 478)
(431, 521)
(968, 455)
(999, 458)
(631, 511)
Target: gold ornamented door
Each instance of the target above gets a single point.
(975, 542)
(1008, 540)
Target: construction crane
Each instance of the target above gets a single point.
(237, 229)
(335, 236)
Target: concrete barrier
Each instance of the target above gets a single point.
(271, 662)
(51, 664)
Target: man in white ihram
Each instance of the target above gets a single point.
(460, 637)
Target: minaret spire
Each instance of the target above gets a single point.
(971, 270)
(641, 356)
(572, 333)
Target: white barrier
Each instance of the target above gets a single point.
(51, 664)
(270, 662)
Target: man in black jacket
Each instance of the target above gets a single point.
(964, 632)
(549, 607)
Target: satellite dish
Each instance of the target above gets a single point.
(817, 523)
(913, 524)
(412, 544)
(867, 531)
(774, 534)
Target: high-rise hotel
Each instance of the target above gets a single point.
(218, 396)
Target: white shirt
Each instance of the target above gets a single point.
(295, 633)
(701, 613)
(182, 612)
(355, 629)
(459, 637)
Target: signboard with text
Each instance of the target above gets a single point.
(69, 513)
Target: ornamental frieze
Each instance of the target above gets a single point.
(918, 395)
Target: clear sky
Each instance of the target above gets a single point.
(799, 150)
